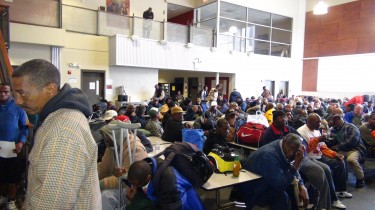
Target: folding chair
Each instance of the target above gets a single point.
(123, 128)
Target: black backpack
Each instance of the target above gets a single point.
(188, 160)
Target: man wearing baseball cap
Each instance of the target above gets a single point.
(173, 127)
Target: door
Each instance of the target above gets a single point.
(284, 86)
(210, 82)
(92, 83)
(193, 88)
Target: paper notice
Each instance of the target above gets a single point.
(7, 148)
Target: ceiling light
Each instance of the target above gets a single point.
(320, 8)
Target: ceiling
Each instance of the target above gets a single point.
(176, 10)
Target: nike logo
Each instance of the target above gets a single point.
(245, 135)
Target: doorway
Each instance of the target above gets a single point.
(92, 83)
(193, 88)
(270, 85)
(284, 86)
(210, 82)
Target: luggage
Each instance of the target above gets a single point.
(251, 133)
(189, 161)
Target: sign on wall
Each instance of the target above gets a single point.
(121, 7)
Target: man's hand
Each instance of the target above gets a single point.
(323, 137)
(19, 147)
(131, 192)
(298, 158)
(303, 195)
(119, 172)
(339, 156)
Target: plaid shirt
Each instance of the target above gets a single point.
(63, 169)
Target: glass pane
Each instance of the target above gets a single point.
(231, 27)
(209, 24)
(281, 36)
(87, 19)
(249, 45)
(202, 37)
(36, 12)
(262, 48)
(111, 24)
(148, 29)
(280, 50)
(226, 42)
(208, 11)
(282, 22)
(177, 33)
(262, 33)
(232, 11)
(259, 17)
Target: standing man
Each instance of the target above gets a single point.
(204, 93)
(13, 130)
(63, 170)
(266, 93)
(148, 16)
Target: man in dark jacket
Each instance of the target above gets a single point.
(347, 141)
(218, 137)
(274, 162)
(173, 127)
(315, 173)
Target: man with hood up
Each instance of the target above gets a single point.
(63, 170)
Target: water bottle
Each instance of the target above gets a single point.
(236, 166)
(157, 146)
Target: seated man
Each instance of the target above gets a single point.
(108, 172)
(173, 127)
(219, 137)
(318, 151)
(355, 117)
(278, 163)
(154, 125)
(139, 116)
(172, 192)
(347, 141)
(316, 173)
(367, 131)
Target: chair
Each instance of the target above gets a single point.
(124, 129)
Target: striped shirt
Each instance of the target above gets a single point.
(63, 170)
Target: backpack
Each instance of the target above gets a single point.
(250, 133)
(188, 160)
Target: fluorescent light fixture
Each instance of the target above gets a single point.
(233, 30)
(320, 8)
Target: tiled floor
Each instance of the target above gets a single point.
(363, 199)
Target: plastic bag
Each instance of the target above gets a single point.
(194, 136)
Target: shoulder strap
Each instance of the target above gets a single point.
(156, 177)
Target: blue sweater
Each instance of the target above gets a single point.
(13, 119)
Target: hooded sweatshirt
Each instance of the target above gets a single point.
(13, 126)
(63, 169)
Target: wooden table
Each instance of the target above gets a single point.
(219, 181)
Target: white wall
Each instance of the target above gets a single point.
(310, 4)
(90, 4)
(347, 74)
(138, 82)
(19, 53)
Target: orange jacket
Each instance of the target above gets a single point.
(313, 143)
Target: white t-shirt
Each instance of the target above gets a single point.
(307, 134)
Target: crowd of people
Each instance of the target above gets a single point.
(73, 164)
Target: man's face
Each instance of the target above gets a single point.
(357, 111)
(4, 93)
(130, 109)
(316, 122)
(31, 98)
(279, 122)
(178, 116)
(223, 131)
(371, 121)
(336, 121)
(290, 151)
(289, 115)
